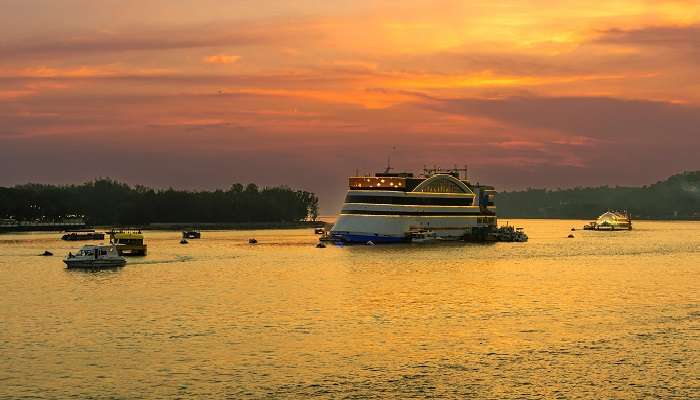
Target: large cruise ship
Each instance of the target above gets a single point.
(391, 207)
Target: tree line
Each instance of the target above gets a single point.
(108, 202)
(678, 197)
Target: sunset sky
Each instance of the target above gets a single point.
(201, 94)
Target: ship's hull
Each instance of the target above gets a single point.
(132, 249)
(358, 228)
(622, 227)
(348, 237)
(76, 263)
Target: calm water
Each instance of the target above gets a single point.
(603, 315)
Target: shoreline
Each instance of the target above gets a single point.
(166, 226)
(205, 226)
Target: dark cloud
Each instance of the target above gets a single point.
(666, 36)
(681, 41)
(190, 37)
(608, 119)
(627, 137)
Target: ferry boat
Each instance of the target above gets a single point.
(388, 207)
(128, 242)
(82, 234)
(95, 256)
(611, 221)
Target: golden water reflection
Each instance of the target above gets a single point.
(606, 314)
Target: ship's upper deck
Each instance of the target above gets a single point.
(434, 181)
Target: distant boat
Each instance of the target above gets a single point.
(611, 221)
(423, 236)
(191, 234)
(509, 234)
(87, 234)
(95, 256)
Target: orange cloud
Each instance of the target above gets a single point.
(222, 59)
(14, 94)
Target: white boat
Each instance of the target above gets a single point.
(387, 207)
(509, 234)
(613, 221)
(95, 256)
(423, 236)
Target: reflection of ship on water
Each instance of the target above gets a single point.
(611, 221)
(392, 207)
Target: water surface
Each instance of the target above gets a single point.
(603, 315)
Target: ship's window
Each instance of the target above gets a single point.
(410, 200)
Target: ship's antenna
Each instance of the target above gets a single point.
(388, 161)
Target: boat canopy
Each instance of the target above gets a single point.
(611, 217)
(443, 183)
(90, 249)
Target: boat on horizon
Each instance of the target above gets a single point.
(389, 206)
(191, 234)
(611, 221)
(82, 234)
(423, 236)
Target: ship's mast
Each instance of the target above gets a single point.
(388, 162)
(388, 165)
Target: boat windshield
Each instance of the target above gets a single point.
(129, 241)
(91, 252)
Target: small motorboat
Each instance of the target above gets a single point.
(95, 256)
(191, 234)
(183, 241)
(423, 236)
(319, 231)
(510, 234)
(520, 235)
(252, 241)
